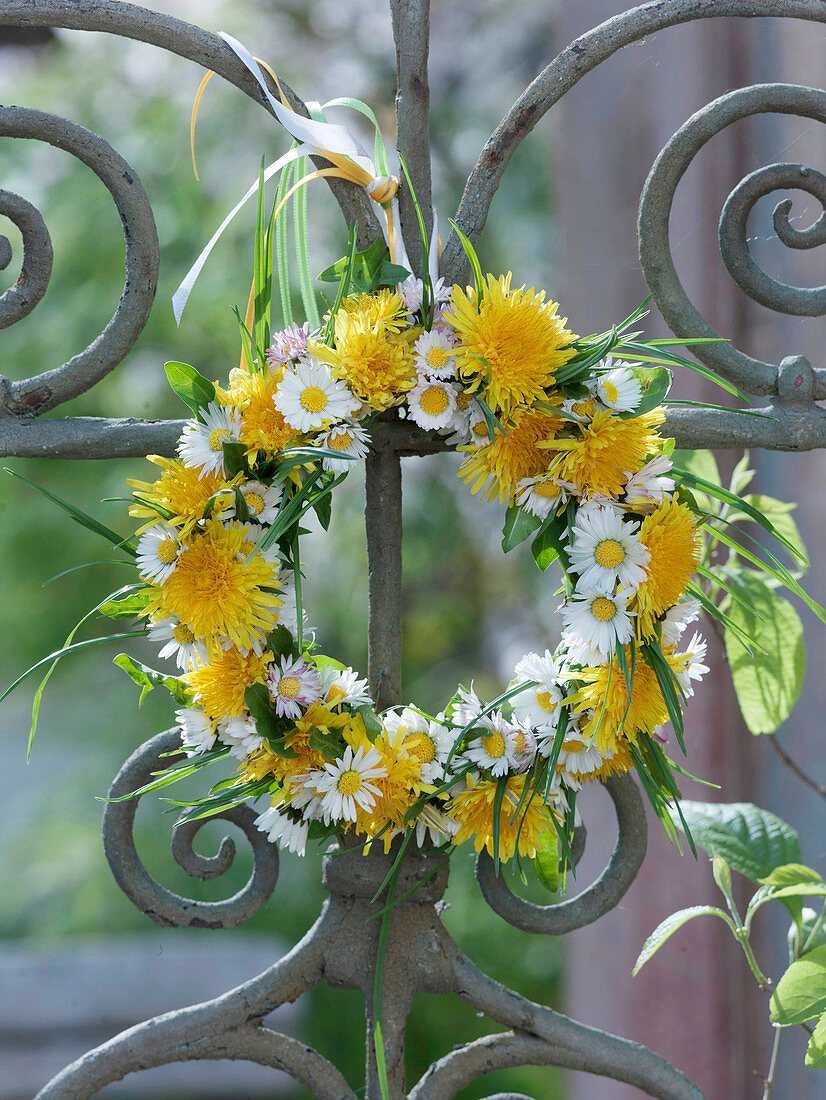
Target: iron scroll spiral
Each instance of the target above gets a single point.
(680, 315)
(163, 906)
(53, 387)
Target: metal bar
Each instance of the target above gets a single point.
(383, 521)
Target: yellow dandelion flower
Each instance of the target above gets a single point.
(217, 592)
(181, 490)
(519, 335)
(373, 358)
(219, 686)
(399, 789)
(671, 536)
(258, 765)
(382, 309)
(474, 813)
(601, 456)
(618, 764)
(496, 468)
(263, 428)
(604, 692)
(316, 717)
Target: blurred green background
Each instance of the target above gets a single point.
(469, 611)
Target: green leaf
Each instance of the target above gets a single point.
(473, 259)
(791, 874)
(751, 840)
(148, 679)
(235, 458)
(324, 510)
(551, 542)
(670, 925)
(261, 707)
(656, 381)
(366, 264)
(801, 992)
(768, 683)
(127, 607)
(518, 526)
(816, 1050)
(193, 389)
(546, 860)
(372, 722)
(327, 742)
(281, 643)
(702, 464)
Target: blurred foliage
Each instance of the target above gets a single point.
(469, 611)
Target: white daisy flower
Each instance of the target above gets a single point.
(606, 550)
(537, 706)
(578, 755)
(293, 684)
(433, 824)
(201, 445)
(617, 387)
(158, 551)
(340, 686)
(288, 344)
(241, 735)
(677, 618)
(262, 502)
(585, 654)
(467, 709)
(181, 643)
(309, 397)
(539, 496)
(458, 431)
(432, 740)
(345, 784)
(435, 355)
(432, 403)
(496, 749)
(411, 292)
(598, 617)
(197, 731)
(583, 408)
(526, 748)
(695, 669)
(282, 830)
(346, 438)
(649, 487)
(304, 798)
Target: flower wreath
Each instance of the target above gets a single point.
(563, 430)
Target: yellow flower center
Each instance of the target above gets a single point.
(255, 503)
(217, 437)
(463, 400)
(546, 702)
(480, 428)
(426, 749)
(167, 551)
(335, 695)
(584, 408)
(349, 782)
(603, 609)
(546, 489)
(314, 399)
(182, 634)
(340, 442)
(289, 687)
(573, 746)
(494, 744)
(434, 400)
(609, 554)
(610, 391)
(437, 357)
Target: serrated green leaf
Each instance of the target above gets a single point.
(261, 708)
(551, 542)
(751, 840)
(372, 722)
(326, 742)
(669, 926)
(126, 608)
(281, 643)
(148, 679)
(768, 682)
(801, 992)
(193, 389)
